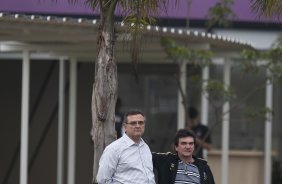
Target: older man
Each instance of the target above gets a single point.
(128, 160)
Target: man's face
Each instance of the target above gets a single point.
(185, 147)
(135, 126)
(194, 122)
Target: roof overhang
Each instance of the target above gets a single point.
(77, 37)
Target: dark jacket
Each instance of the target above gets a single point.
(166, 165)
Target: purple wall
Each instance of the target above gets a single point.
(198, 8)
(44, 6)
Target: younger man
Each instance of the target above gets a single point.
(182, 167)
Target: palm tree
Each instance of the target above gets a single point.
(268, 8)
(104, 95)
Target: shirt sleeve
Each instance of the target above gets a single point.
(208, 138)
(107, 166)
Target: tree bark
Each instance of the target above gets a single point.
(104, 88)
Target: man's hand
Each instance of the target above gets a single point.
(203, 144)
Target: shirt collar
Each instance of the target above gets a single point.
(130, 142)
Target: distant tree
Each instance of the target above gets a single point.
(267, 8)
(221, 14)
(253, 61)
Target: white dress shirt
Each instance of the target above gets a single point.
(125, 162)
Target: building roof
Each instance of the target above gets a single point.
(55, 36)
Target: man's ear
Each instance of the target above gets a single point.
(124, 125)
(175, 148)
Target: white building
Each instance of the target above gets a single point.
(34, 42)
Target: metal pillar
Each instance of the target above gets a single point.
(268, 131)
(205, 95)
(24, 118)
(205, 102)
(72, 121)
(225, 128)
(181, 109)
(61, 123)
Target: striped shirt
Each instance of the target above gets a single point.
(125, 162)
(187, 174)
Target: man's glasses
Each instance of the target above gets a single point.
(134, 123)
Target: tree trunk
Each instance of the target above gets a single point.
(104, 89)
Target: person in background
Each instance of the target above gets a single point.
(128, 160)
(118, 119)
(203, 139)
(182, 167)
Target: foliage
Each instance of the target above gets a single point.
(221, 14)
(255, 112)
(249, 63)
(278, 43)
(138, 13)
(179, 52)
(219, 93)
(267, 8)
(271, 59)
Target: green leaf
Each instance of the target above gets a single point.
(221, 14)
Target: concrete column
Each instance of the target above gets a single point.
(268, 130)
(205, 95)
(25, 118)
(205, 102)
(180, 109)
(72, 121)
(61, 123)
(225, 127)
